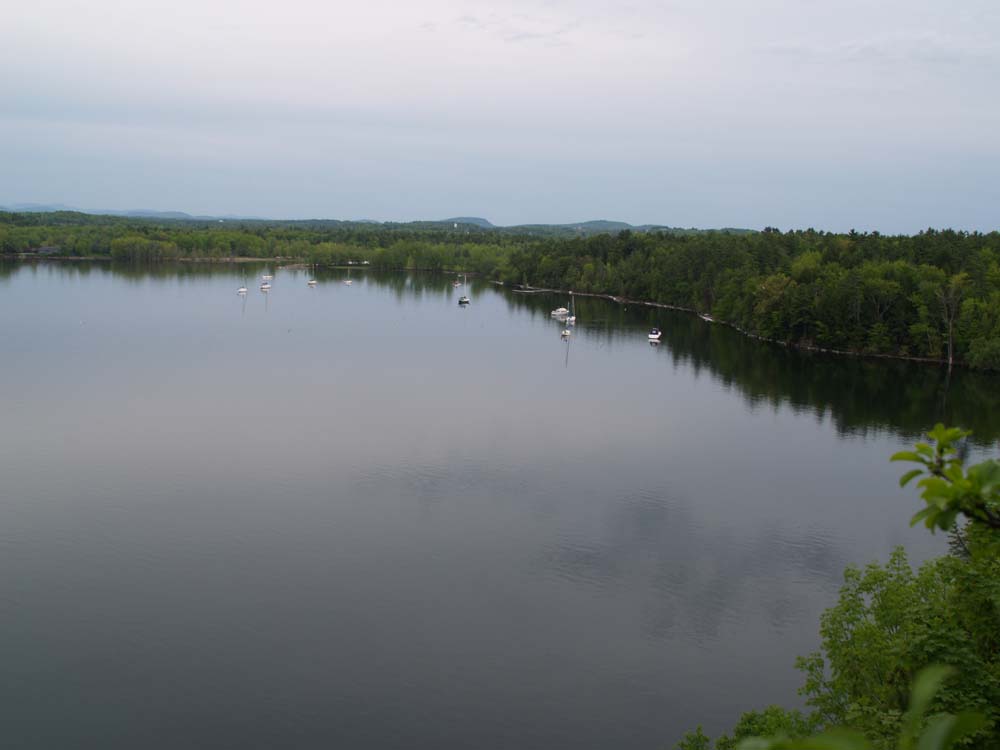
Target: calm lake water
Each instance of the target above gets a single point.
(363, 517)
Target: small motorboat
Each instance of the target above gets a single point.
(312, 282)
(566, 333)
(655, 334)
(463, 300)
(241, 290)
(265, 287)
(348, 282)
(559, 312)
(267, 277)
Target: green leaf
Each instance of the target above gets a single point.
(920, 515)
(906, 456)
(905, 479)
(833, 740)
(943, 730)
(925, 687)
(986, 475)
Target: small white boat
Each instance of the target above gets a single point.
(463, 300)
(559, 312)
(655, 334)
(241, 290)
(265, 287)
(312, 282)
(571, 318)
(566, 333)
(266, 277)
(348, 282)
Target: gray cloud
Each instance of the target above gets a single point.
(520, 27)
(898, 48)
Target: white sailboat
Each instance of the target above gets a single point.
(463, 300)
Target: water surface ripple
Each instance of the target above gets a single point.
(361, 516)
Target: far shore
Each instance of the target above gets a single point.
(298, 263)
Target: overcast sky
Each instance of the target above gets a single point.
(793, 113)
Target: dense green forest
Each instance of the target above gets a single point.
(934, 295)
(892, 624)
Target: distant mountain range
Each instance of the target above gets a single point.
(468, 223)
(137, 213)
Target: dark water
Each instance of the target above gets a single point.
(362, 517)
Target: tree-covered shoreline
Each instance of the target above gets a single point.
(933, 296)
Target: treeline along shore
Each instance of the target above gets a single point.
(933, 296)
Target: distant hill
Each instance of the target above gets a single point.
(598, 226)
(474, 220)
(465, 224)
(37, 208)
(144, 213)
(134, 213)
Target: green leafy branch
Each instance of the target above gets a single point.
(918, 732)
(949, 489)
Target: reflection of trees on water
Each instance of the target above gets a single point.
(410, 285)
(858, 395)
(8, 269)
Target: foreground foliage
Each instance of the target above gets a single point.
(909, 659)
